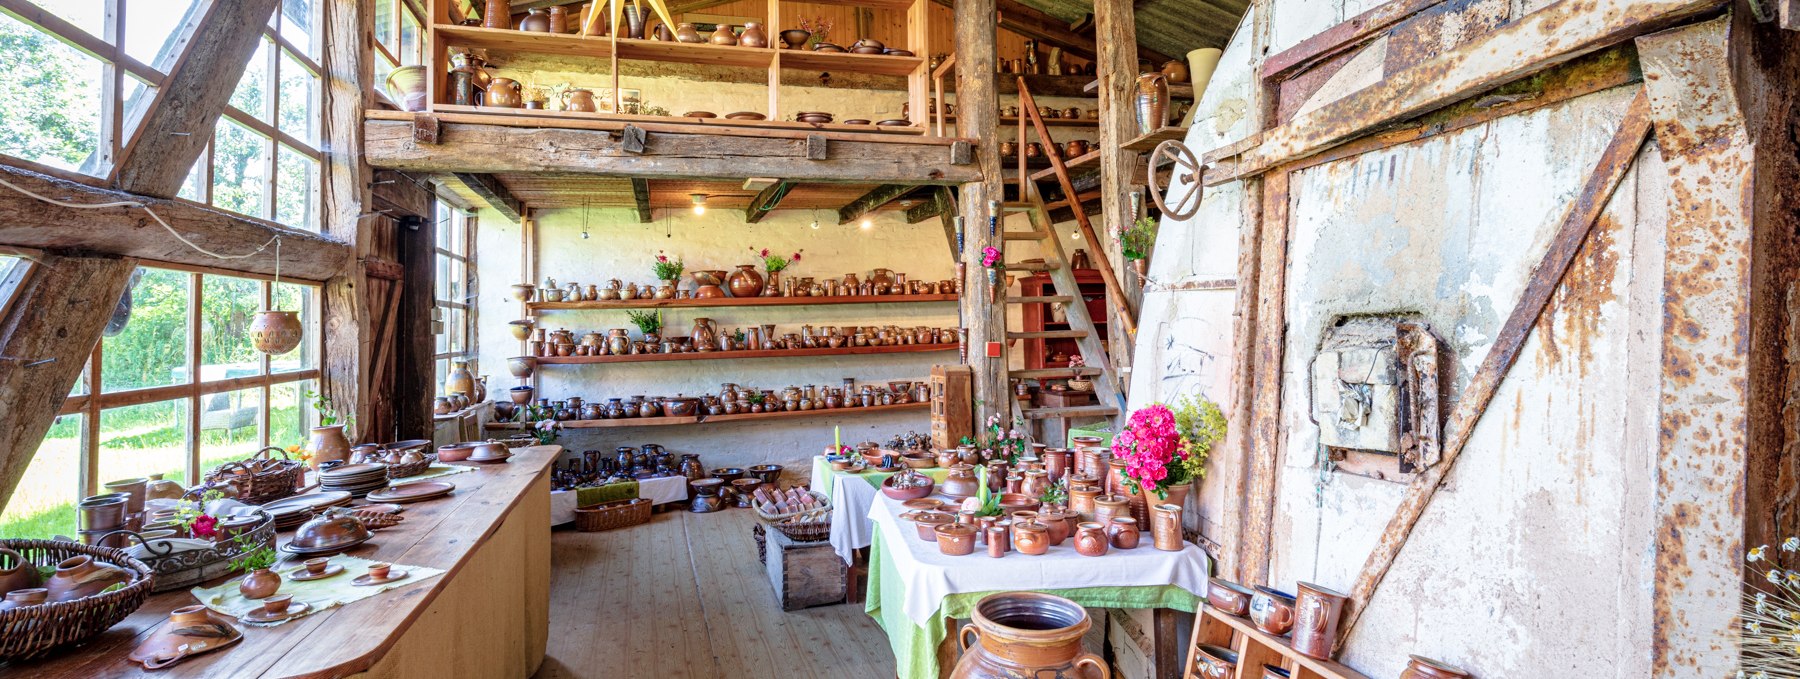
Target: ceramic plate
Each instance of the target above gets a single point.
(923, 503)
(354, 470)
(321, 500)
(302, 575)
(413, 492)
(328, 551)
(261, 615)
(366, 580)
(489, 460)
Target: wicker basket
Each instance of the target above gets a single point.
(806, 531)
(611, 515)
(762, 542)
(401, 471)
(34, 630)
(824, 509)
(259, 479)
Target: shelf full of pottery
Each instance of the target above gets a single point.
(731, 403)
(746, 287)
(706, 341)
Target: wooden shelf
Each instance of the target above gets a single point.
(1176, 90)
(876, 64)
(706, 54)
(713, 419)
(1256, 648)
(699, 124)
(745, 354)
(1050, 122)
(1148, 142)
(738, 302)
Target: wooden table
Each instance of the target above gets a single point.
(487, 616)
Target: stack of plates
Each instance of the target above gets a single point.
(355, 479)
(413, 492)
(290, 512)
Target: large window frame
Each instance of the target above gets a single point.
(391, 50)
(90, 399)
(456, 317)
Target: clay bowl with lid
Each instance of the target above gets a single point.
(457, 452)
(956, 539)
(927, 522)
(328, 534)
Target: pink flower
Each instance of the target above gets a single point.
(765, 252)
(662, 258)
(1149, 444)
(204, 526)
(795, 258)
(989, 256)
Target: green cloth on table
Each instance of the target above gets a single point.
(874, 478)
(1105, 433)
(321, 594)
(432, 472)
(915, 647)
(612, 492)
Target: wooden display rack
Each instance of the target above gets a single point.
(745, 354)
(444, 35)
(702, 303)
(1256, 648)
(706, 419)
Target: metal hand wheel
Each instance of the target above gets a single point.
(1185, 169)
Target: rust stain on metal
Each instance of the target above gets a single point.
(1574, 314)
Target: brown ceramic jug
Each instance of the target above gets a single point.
(16, 572)
(723, 35)
(1026, 634)
(504, 93)
(1421, 667)
(583, 101)
(81, 576)
(745, 282)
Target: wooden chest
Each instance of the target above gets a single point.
(805, 574)
(952, 404)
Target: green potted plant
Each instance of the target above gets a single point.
(1135, 243)
(254, 559)
(649, 322)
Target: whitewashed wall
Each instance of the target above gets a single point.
(1535, 559)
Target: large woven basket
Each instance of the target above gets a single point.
(612, 515)
(258, 479)
(31, 631)
(807, 530)
(824, 509)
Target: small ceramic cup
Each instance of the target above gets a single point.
(1272, 610)
(379, 571)
(277, 605)
(316, 566)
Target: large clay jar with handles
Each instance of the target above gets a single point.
(1026, 634)
(745, 282)
(16, 572)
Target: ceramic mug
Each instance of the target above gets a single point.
(1272, 610)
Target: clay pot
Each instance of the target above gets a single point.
(20, 598)
(276, 332)
(1057, 520)
(537, 21)
(961, 482)
(328, 444)
(1026, 634)
(998, 544)
(82, 576)
(523, 292)
(723, 35)
(956, 539)
(159, 489)
(745, 282)
(927, 524)
(1227, 596)
(559, 19)
(459, 380)
(1316, 620)
(1081, 500)
(498, 14)
(1152, 102)
(1030, 537)
(1108, 507)
(1421, 667)
(521, 394)
(686, 32)
(582, 101)
(663, 33)
(1175, 70)
(505, 93)
(520, 366)
(1123, 533)
(795, 38)
(753, 36)
(259, 583)
(1214, 662)
(133, 490)
(1272, 610)
(16, 572)
(1091, 540)
(1165, 527)
(191, 630)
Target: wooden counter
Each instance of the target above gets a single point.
(487, 616)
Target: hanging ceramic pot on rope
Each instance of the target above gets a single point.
(273, 331)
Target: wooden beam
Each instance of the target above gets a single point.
(44, 344)
(766, 201)
(640, 194)
(1115, 27)
(942, 202)
(491, 190)
(1549, 36)
(872, 201)
(180, 121)
(1334, 40)
(131, 232)
(415, 364)
(1030, 22)
(349, 77)
(1545, 278)
(495, 148)
(976, 36)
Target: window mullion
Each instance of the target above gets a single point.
(195, 299)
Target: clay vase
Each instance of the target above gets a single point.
(1124, 533)
(1316, 613)
(582, 101)
(191, 630)
(276, 332)
(1165, 527)
(705, 337)
(1091, 539)
(1027, 634)
(1175, 70)
(16, 572)
(259, 583)
(960, 482)
(745, 282)
(498, 14)
(1081, 500)
(537, 21)
(559, 19)
(634, 22)
(328, 444)
(687, 33)
(723, 35)
(504, 93)
(1421, 667)
(1107, 507)
(1152, 104)
(459, 380)
(81, 576)
(753, 36)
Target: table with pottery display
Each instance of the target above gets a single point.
(914, 587)
(852, 493)
(479, 552)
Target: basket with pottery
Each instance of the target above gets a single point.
(89, 590)
(259, 479)
(801, 514)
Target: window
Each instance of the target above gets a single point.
(455, 337)
(398, 41)
(180, 391)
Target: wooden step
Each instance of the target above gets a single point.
(1038, 267)
(1073, 411)
(1046, 334)
(1049, 173)
(1024, 235)
(1017, 207)
(1054, 373)
(1041, 299)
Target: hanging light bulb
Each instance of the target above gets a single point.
(699, 203)
(867, 223)
(815, 225)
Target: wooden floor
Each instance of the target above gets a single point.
(684, 596)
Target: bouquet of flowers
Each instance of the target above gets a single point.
(1166, 448)
(777, 263)
(667, 269)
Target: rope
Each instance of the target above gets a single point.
(273, 240)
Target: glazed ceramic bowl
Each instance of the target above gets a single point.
(459, 452)
(1016, 502)
(904, 494)
(745, 115)
(421, 445)
(681, 407)
(1215, 662)
(1228, 597)
(928, 521)
(919, 460)
(767, 473)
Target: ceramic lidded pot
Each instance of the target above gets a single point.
(82, 576)
(1421, 667)
(1030, 537)
(956, 539)
(1272, 610)
(1091, 540)
(1027, 634)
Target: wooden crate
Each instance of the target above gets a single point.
(1064, 399)
(804, 574)
(952, 404)
(1256, 648)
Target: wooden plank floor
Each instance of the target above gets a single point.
(684, 596)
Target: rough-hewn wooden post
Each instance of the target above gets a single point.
(978, 107)
(348, 70)
(1117, 60)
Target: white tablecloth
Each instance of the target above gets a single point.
(850, 499)
(930, 575)
(657, 490)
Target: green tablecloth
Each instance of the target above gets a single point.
(822, 470)
(915, 647)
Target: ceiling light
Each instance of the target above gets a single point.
(815, 225)
(699, 203)
(866, 223)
